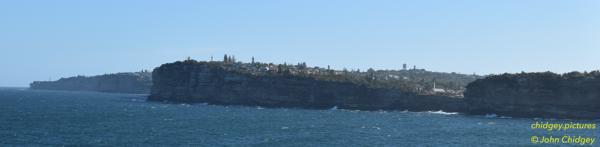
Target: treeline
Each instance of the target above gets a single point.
(543, 80)
(547, 75)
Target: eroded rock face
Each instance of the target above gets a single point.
(213, 82)
(536, 95)
(137, 83)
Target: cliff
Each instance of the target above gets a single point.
(274, 86)
(571, 95)
(138, 83)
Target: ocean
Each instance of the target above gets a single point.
(64, 118)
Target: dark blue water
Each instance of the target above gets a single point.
(56, 118)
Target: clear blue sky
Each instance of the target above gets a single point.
(52, 39)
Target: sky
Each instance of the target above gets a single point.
(47, 40)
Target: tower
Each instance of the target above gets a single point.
(252, 59)
(404, 66)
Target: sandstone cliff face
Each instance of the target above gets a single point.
(212, 82)
(536, 95)
(138, 83)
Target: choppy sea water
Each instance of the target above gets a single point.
(57, 118)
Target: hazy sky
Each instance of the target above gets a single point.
(41, 40)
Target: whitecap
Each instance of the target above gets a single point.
(334, 108)
(442, 112)
(491, 115)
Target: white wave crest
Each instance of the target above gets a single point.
(442, 112)
(491, 116)
(334, 108)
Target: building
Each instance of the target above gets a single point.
(436, 90)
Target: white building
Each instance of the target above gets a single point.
(436, 90)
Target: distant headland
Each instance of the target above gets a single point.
(131, 82)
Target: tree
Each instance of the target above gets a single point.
(229, 59)
(287, 71)
(371, 74)
(279, 69)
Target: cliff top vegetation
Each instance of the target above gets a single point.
(414, 80)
